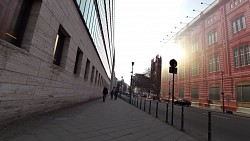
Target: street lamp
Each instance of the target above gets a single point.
(222, 92)
(205, 3)
(131, 82)
(196, 10)
(122, 85)
(190, 17)
(183, 23)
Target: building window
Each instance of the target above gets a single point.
(98, 78)
(14, 15)
(231, 4)
(195, 93)
(243, 93)
(214, 93)
(86, 74)
(181, 93)
(236, 59)
(247, 55)
(234, 3)
(61, 45)
(195, 69)
(92, 74)
(78, 62)
(212, 37)
(238, 24)
(101, 80)
(241, 56)
(96, 75)
(214, 64)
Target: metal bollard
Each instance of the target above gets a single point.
(182, 118)
(140, 103)
(167, 113)
(209, 126)
(149, 107)
(144, 104)
(137, 102)
(156, 112)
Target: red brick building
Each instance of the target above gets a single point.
(155, 75)
(217, 60)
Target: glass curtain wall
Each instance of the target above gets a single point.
(98, 16)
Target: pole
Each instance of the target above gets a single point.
(144, 104)
(137, 102)
(222, 93)
(130, 90)
(169, 91)
(182, 118)
(131, 82)
(172, 117)
(140, 103)
(209, 126)
(156, 113)
(149, 107)
(167, 113)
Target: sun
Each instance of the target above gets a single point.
(172, 51)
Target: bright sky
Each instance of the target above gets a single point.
(141, 26)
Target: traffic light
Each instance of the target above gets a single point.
(172, 68)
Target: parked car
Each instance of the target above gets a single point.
(182, 102)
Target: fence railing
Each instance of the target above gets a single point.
(152, 107)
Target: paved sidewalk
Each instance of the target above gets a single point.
(96, 121)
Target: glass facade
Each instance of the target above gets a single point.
(98, 16)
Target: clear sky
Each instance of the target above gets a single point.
(141, 26)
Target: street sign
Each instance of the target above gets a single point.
(173, 63)
(172, 68)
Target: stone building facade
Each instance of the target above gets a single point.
(52, 55)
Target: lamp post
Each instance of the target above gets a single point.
(169, 93)
(196, 10)
(189, 17)
(222, 92)
(183, 23)
(122, 85)
(205, 3)
(131, 82)
(173, 69)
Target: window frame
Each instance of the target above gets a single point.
(213, 93)
(238, 24)
(18, 23)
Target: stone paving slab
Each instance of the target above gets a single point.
(113, 120)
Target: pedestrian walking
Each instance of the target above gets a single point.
(104, 93)
(112, 93)
(116, 93)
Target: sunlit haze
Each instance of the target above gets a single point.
(143, 27)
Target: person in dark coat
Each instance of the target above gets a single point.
(116, 93)
(112, 93)
(104, 93)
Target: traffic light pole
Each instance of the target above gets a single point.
(172, 116)
(173, 70)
